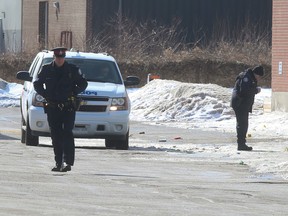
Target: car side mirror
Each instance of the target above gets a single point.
(131, 80)
(24, 75)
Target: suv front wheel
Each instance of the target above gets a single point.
(120, 144)
(23, 132)
(30, 140)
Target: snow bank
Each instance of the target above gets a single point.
(10, 94)
(166, 100)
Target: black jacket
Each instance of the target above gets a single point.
(244, 91)
(59, 83)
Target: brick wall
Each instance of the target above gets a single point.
(70, 17)
(280, 45)
(30, 15)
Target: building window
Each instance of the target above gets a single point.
(66, 39)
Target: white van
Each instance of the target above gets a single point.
(105, 107)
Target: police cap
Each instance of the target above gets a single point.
(258, 70)
(59, 51)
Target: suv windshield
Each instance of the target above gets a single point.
(95, 70)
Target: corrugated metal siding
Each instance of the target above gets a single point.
(195, 15)
(10, 13)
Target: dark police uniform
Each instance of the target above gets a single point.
(242, 101)
(62, 84)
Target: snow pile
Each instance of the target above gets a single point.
(204, 106)
(166, 100)
(10, 94)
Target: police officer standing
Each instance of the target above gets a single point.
(242, 101)
(59, 83)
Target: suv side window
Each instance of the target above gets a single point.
(33, 65)
(46, 61)
(39, 64)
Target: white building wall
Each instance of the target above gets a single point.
(11, 15)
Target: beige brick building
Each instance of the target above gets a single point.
(280, 56)
(51, 23)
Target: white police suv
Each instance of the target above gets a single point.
(105, 106)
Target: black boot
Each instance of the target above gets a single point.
(57, 168)
(244, 147)
(66, 168)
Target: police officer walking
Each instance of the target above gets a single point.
(242, 101)
(59, 83)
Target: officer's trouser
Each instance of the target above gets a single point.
(61, 123)
(242, 117)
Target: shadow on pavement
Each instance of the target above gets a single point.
(163, 149)
(124, 175)
(5, 137)
(77, 147)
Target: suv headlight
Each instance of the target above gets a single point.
(37, 100)
(119, 104)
